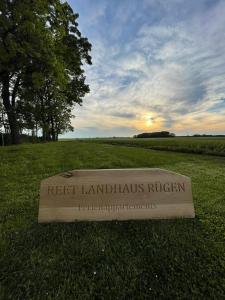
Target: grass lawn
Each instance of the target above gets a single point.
(163, 259)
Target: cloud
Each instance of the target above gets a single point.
(124, 115)
(163, 59)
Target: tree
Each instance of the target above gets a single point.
(157, 134)
(48, 109)
(39, 40)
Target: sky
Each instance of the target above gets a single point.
(157, 65)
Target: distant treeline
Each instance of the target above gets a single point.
(155, 134)
(208, 135)
(161, 134)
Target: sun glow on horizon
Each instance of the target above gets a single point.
(149, 120)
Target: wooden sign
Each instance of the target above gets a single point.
(118, 194)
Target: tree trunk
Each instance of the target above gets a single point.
(36, 129)
(10, 110)
(43, 134)
(53, 130)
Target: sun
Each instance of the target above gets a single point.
(149, 120)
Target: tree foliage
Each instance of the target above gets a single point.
(42, 53)
(156, 134)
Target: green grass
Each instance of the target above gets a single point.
(164, 259)
(197, 145)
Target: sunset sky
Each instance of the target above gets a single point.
(157, 65)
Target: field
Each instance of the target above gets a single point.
(164, 259)
(198, 145)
